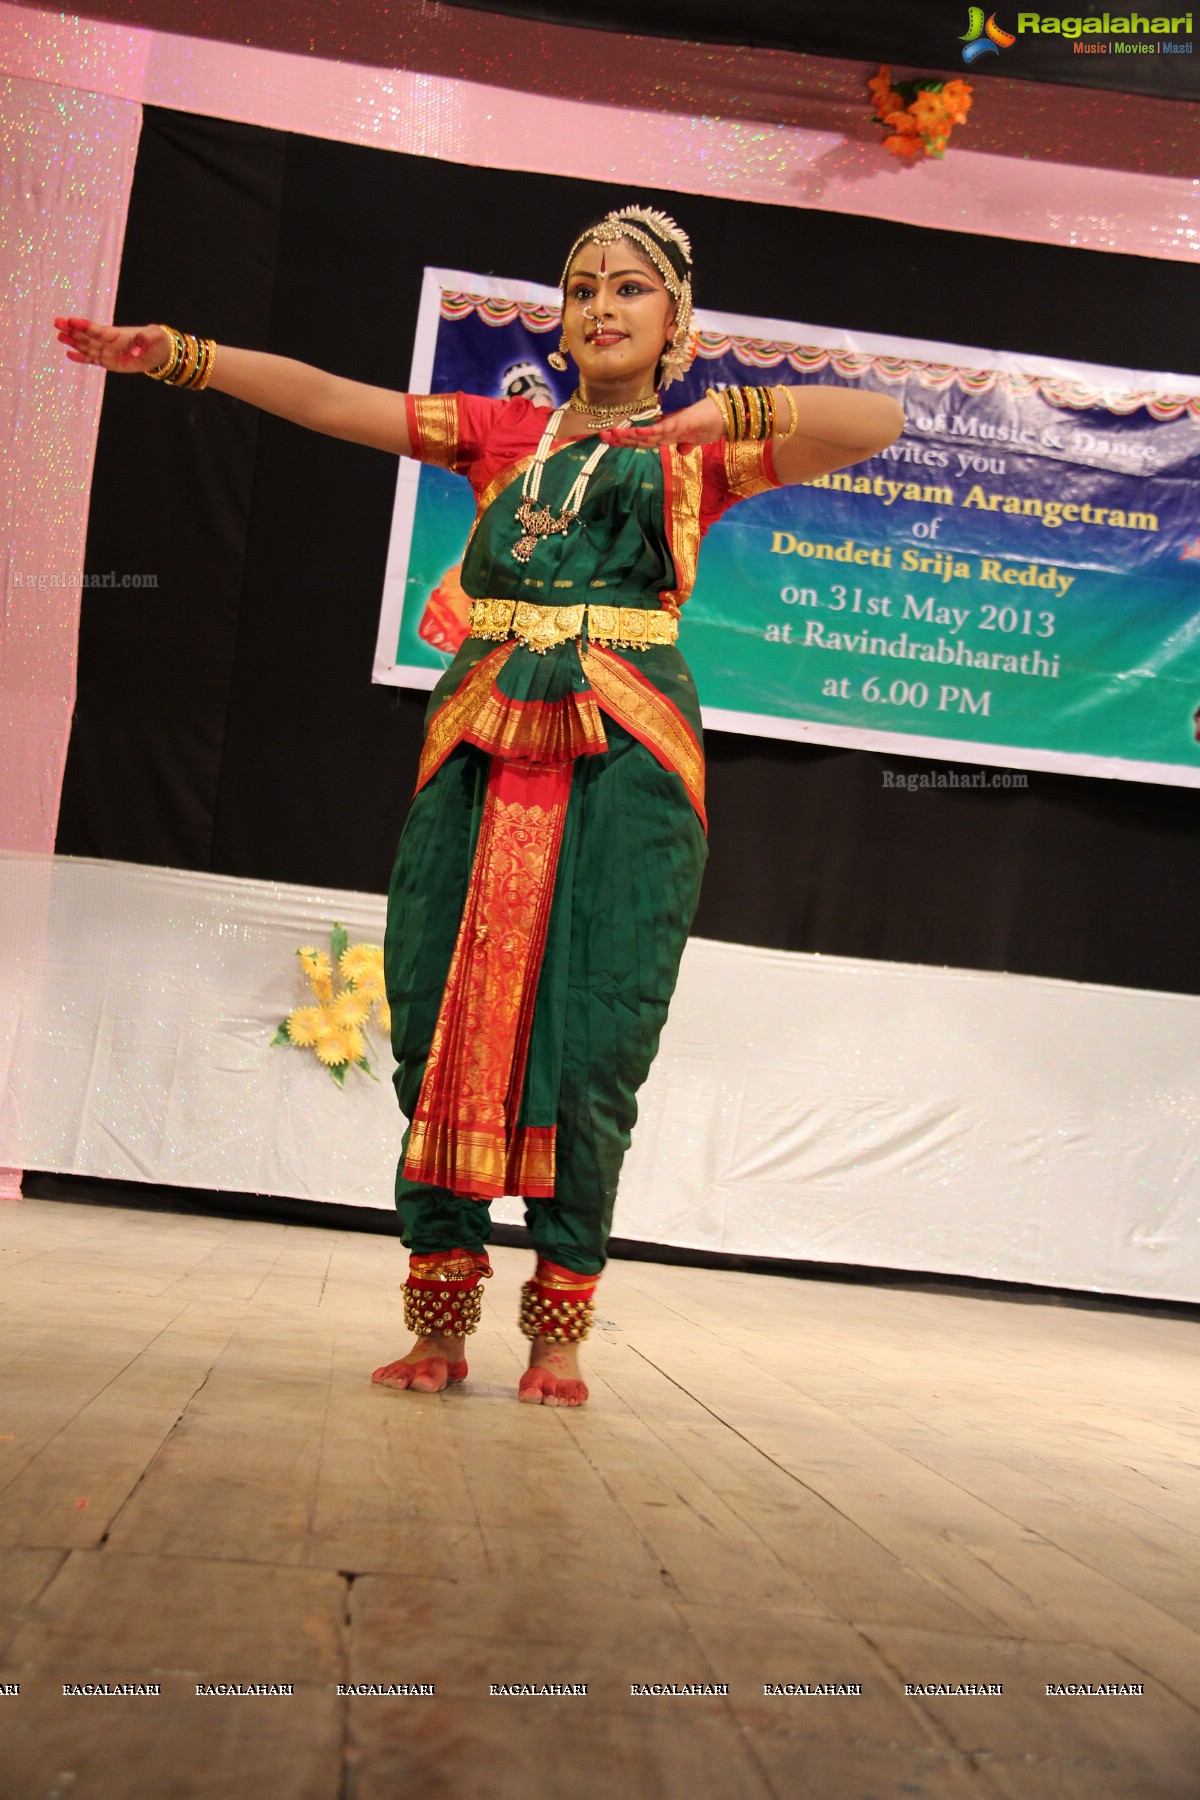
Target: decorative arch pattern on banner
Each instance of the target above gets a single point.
(851, 365)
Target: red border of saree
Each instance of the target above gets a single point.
(464, 1136)
(649, 716)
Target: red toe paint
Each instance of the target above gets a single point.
(540, 1384)
(429, 1366)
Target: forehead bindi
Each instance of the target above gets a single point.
(617, 260)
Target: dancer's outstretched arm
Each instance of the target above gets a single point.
(278, 384)
(830, 428)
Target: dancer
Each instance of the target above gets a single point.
(550, 864)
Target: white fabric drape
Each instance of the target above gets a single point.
(802, 1106)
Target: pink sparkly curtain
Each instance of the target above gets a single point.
(69, 158)
(1049, 164)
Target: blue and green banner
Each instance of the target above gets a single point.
(1015, 581)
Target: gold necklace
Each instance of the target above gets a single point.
(538, 522)
(603, 416)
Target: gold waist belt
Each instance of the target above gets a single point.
(542, 627)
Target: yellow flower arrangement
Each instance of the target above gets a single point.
(319, 969)
(920, 114)
(351, 1008)
(335, 1028)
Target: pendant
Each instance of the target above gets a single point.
(538, 523)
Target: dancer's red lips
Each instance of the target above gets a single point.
(607, 337)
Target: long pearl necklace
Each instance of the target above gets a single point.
(539, 522)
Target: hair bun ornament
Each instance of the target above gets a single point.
(659, 222)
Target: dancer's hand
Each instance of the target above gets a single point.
(700, 423)
(121, 349)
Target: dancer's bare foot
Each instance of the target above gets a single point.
(553, 1377)
(434, 1362)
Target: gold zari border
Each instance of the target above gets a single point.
(631, 700)
(435, 1265)
(581, 1283)
(451, 720)
(557, 732)
(746, 470)
(436, 420)
(531, 1161)
(687, 487)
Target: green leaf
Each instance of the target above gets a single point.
(338, 1071)
(339, 941)
(281, 1036)
(365, 1065)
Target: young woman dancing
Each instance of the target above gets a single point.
(550, 864)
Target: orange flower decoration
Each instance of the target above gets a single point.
(920, 114)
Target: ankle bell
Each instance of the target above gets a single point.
(442, 1294)
(557, 1303)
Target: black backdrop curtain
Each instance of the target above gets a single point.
(226, 718)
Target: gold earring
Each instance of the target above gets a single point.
(676, 359)
(558, 358)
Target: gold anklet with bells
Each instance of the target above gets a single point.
(442, 1294)
(557, 1303)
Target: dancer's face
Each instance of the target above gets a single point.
(618, 315)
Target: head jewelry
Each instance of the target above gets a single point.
(669, 249)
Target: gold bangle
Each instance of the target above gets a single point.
(769, 403)
(721, 400)
(166, 369)
(204, 368)
(191, 356)
(795, 418)
(721, 396)
(194, 380)
(191, 362)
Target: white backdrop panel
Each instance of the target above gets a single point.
(802, 1106)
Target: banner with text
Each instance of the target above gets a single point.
(1015, 581)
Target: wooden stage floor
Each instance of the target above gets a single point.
(777, 1482)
